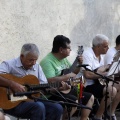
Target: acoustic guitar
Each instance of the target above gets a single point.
(102, 69)
(110, 70)
(31, 83)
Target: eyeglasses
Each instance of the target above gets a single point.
(68, 47)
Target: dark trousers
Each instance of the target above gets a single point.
(37, 110)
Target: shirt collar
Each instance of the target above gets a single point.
(93, 53)
(101, 56)
(19, 64)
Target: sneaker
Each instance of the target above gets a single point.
(113, 117)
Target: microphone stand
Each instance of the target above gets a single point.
(69, 104)
(61, 102)
(69, 108)
(106, 94)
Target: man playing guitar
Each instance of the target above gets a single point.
(112, 57)
(22, 66)
(55, 62)
(94, 57)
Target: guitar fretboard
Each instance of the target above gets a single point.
(42, 86)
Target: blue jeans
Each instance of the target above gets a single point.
(37, 111)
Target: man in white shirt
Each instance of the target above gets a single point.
(112, 51)
(112, 58)
(94, 57)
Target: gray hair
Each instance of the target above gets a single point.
(30, 48)
(99, 39)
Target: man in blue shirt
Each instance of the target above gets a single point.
(24, 65)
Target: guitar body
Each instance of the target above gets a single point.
(102, 70)
(5, 103)
(8, 100)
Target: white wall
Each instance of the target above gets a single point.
(38, 21)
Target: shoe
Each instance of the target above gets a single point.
(96, 119)
(113, 117)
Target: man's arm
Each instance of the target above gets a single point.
(88, 59)
(80, 61)
(90, 75)
(4, 82)
(15, 87)
(93, 75)
(61, 78)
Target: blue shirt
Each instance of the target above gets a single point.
(16, 68)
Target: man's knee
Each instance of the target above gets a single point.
(91, 99)
(58, 108)
(39, 106)
(112, 91)
(2, 116)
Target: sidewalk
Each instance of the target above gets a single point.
(73, 118)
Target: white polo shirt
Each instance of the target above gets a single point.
(16, 68)
(90, 58)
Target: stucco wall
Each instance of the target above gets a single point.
(38, 21)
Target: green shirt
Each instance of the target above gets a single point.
(52, 66)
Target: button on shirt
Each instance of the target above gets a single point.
(16, 68)
(90, 58)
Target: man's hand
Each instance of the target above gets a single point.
(16, 87)
(65, 86)
(70, 75)
(80, 59)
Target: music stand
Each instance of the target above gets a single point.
(114, 69)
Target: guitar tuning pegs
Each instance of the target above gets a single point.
(80, 50)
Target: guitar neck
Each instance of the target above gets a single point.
(43, 86)
(72, 68)
(48, 85)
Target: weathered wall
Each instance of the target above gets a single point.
(38, 21)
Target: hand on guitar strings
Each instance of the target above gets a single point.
(64, 86)
(16, 87)
(69, 75)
